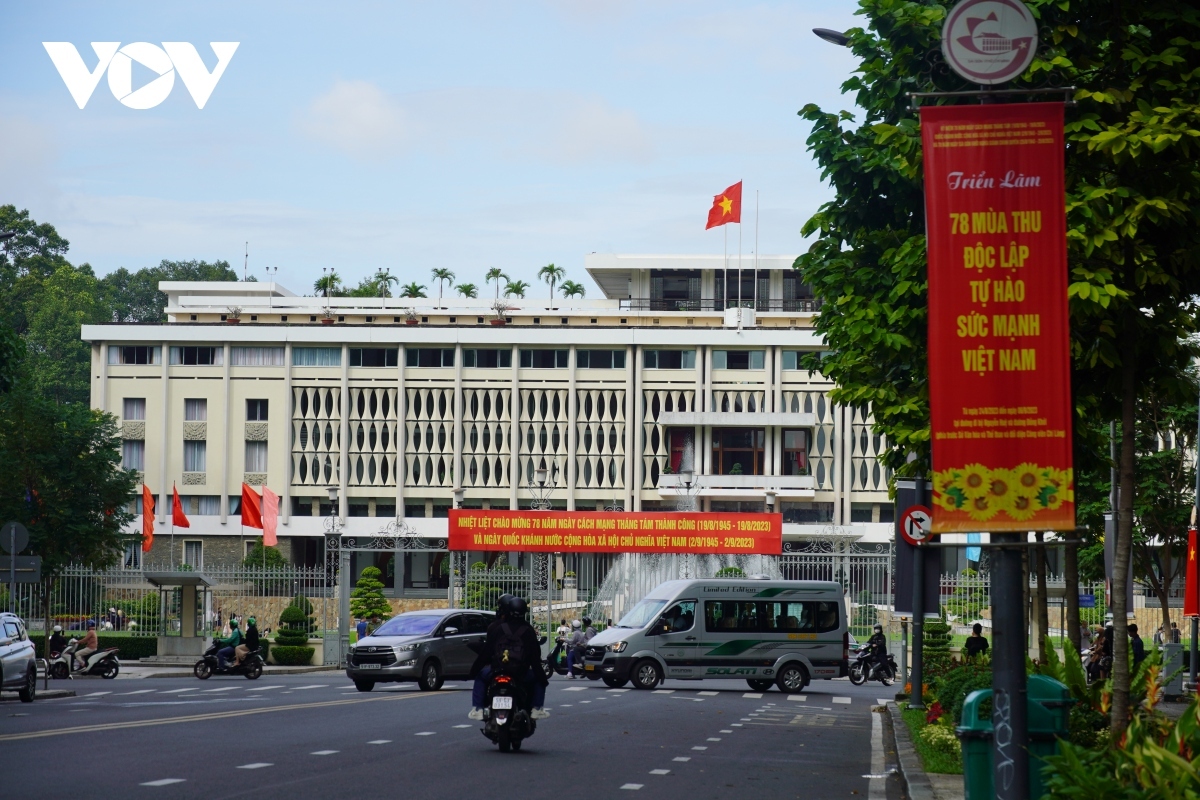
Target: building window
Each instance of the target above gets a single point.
(861, 512)
(137, 354)
(887, 512)
(675, 290)
(316, 356)
(235, 504)
(682, 449)
(414, 510)
(194, 456)
(302, 507)
(669, 359)
(738, 359)
(600, 359)
(488, 359)
(257, 356)
(374, 356)
(133, 555)
(738, 451)
(133, 408)
(133, 454)
(195, 409)
(429, 357)
(802, 513)
(193, 555)
(256, 410)
(545, 359)
(204, 505)
(358, 509)
(205, 356)
(795, 452)
(256, 456)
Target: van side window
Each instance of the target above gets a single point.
(681, 616)
(806, 617)
(734, 616)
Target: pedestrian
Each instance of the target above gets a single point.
(1176, 637)
(1139, 648)
(976, 644)
(1158, 636)
(374, 624)
(361, 628)
(575, 647)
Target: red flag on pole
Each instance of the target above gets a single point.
(147, 519)
(726, 207)
(270, 516)
(178, 518)
(251, 508)
(1191, 590)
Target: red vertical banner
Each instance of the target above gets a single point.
(999, 357)
(1191, 586)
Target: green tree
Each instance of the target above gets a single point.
(467, 290)
(33, 254)
(135, 296)
(516, 289)
(59, 362)
(268, 556)
(378, 285)
(496, 275)
(413, 289)
(1133, 238)
(442, 276)
(367, 600)
(552, 275)
(329, 284)
(572, 289)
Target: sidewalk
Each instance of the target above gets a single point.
(132, 670)
(921, 785)
(42, 694)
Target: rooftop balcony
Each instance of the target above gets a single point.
(741, 487)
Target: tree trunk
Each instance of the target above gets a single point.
(1041, 607)
(1026, 597)
(1124, 544)
(47, 587)
(1164, 594)
(1071, 579)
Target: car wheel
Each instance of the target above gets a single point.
(615, 683)
(857, 677)
(110, 671)
(792, 679)
(646, 674)
(431, 676)
(202, 670)
(364, 686)
(60, 671)
(29, 691)
(759, 685)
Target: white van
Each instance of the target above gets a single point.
(786, 633)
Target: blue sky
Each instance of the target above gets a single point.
(408, 136)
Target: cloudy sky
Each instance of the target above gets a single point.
(408, 136)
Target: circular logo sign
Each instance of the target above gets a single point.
(915, 523)
(989, 41)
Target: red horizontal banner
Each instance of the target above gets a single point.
(616, 532)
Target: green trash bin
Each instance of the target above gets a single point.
(1048, 708)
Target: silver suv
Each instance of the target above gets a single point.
(428, 647)
(18, 658)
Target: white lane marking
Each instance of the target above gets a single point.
(660, 772)
(95, 694)
(575, 689)
(140, 691)
(74, 710)
(753, 695)
(256, 765)
(663, 691)
(618, 690)
(380, 741)
(464, 726)
(177, 691)
(690, 699)
(163, 782)
(425, 733)
(314, 686)
(877, 787)
(736, 725)
(634, 786)
(699, 747)
(724, 731)
(565, 705)
(261, 688)
(747, 719)
(713, 739)
(883, 702)
(801, 697)
(845, 700)
(323, 752)
(222, 689)
(709, 694)
(285, 692)
(682, 758)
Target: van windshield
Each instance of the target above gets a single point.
(642, 614)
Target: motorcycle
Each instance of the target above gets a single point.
(251, 665)
(556, 662)
(866, 669)
(102, 662)
(507, 719)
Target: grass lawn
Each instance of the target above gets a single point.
(932, 760)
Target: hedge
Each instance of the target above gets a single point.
(131, 647)
(289, 656)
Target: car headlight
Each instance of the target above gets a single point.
(617, 647)
(405, 648)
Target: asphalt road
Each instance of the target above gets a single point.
(313, 735)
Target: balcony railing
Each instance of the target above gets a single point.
(806, 305)
(746, 486)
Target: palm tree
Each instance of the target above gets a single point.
(494, 274)
(467, 290)
(328, 284)
(385, 280)
(572, 289)
(551, 275)
(442, 275)
(516, 289)
(413, 289)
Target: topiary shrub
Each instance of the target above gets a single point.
(730, 572)
(288, 656)
(937, 661)
(301, 602)
(292, 628)
(367, 599)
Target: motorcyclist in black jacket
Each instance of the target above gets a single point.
(878, 645)
(510, 614)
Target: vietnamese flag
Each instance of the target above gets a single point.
(251, 508)
(178, 518)
(1191, 590)
(147, 519)
(270, 517)
(726, 207)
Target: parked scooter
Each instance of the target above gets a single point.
(507, 719)
(556, 662)
(251, 666)
(864, 668)
(102, 662)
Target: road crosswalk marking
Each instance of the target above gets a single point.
(660, 772)
(753, 695)
(256, 765)
(163, 782)
(844, 700)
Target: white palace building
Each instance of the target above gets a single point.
(397, 404)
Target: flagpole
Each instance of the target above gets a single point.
(756, 256)
(739, 267)
(173, 491)
(725, 270)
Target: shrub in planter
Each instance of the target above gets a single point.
(953, 687)
(937, 649)
(730, 572)
(292, 630)
(288, 656)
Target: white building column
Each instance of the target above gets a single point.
(102, 401)
(457, 438)
(769, 406)
(401, 438)
(226, 434)
(639, 429)
(836, 411)
(572, 425)
(630, 422)
(163, 495)
(777, 407)
(285, 513)
(344, 422)
(514, 432)
(705, 442)
(698, 404)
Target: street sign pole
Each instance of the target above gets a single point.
(1010, 739)
(916, 697)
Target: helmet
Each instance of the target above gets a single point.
(233, 623)
(512, 606)
(587, 621)
(879, 629)
(251, 621)
(502, 603)
(58, 628)
(519, 607)
(575, 624)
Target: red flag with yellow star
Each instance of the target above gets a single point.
(726, 207)
(1191, 589)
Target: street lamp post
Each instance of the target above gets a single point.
(333, 527)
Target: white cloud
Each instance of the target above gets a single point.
(359, 119)
(594, 131)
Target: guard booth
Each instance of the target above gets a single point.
(183, 598)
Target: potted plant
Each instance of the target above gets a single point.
(411, 317)
(500, 308)
(569, 580)
(235, 315)
(327, 316)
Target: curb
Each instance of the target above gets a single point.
(43, 694)
(291, 671)
(916, 782)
